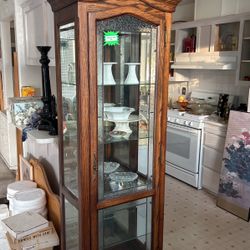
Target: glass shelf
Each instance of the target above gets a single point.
(125, 85)
(115, 188)
(132, 137)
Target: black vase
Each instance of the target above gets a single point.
(48, 116)
(222, 107)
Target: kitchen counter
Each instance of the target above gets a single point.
(216, 121)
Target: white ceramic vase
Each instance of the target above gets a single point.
(132, 77)
(107, 73)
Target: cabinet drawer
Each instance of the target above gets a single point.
(214, 141)
(210, 180)
(212, 159)
(216, 130)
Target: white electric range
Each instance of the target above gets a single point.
(184, 146)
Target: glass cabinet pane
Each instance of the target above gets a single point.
(71, 226)
(69, 106)
(126, 226)
(245, 53)
(227, 36)
(126, 56)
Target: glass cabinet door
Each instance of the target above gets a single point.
(69, 146)
(69, 107)
(126, 79)
(126, 59)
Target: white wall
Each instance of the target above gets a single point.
(214, 81)
(7, 68)
(8, 149)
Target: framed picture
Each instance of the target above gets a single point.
(26, 169)
(234, 186)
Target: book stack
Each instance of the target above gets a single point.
(30, 230)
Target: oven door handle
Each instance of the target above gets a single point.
(183, 129)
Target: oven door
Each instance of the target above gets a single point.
(183, 147)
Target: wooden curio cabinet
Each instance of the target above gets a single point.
(112, 61)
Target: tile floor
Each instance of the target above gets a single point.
(193, 221)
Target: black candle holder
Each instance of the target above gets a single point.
(48, 115)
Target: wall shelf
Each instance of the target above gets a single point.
(41, 137)
(208, 66)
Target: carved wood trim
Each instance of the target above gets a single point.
(161, 5)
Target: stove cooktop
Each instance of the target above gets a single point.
(186, 119)
(185, 114)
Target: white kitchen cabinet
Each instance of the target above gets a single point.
(222, 43)
(38, 30)
(217, 8)
(244, 73)
(207, 9)
(216, 47)
(213, 148)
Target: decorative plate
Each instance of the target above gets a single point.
(123, 176)
(110, 167)
(117, 134)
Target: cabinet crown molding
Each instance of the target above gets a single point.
(162, 5)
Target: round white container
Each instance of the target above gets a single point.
(18, 186)
(30, 200)
(33, 199)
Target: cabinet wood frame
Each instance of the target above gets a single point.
(84, 15)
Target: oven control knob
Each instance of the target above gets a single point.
(190, 124)
(177, 120)
(186, 123)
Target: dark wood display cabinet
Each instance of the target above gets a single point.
(112, 62)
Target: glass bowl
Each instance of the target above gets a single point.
(110, 167)
(123, 176)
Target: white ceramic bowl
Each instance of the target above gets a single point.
(118, 113)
